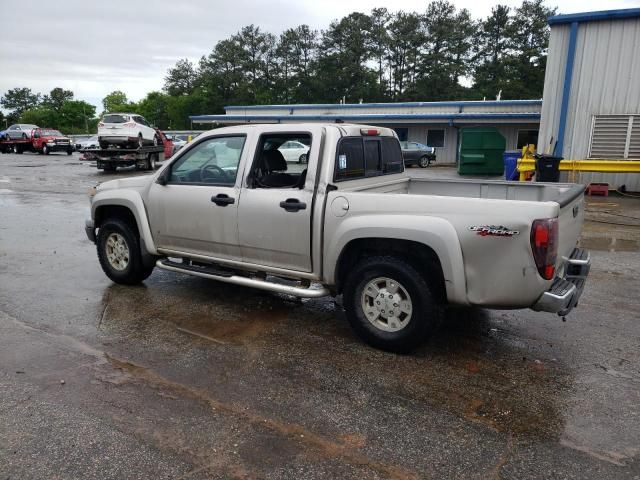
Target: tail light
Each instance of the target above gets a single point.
(544, 244)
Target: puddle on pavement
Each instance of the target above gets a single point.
(476, 366)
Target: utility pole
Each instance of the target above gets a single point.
(86, 124)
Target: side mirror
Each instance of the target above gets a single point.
(162, 179)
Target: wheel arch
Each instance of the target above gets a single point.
(430, 244)
(128, 206)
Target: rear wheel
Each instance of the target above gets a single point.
(140, 141)
(119, 252)
(390, 304)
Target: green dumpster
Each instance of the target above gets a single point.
(480, 151)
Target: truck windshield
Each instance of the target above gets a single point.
(361, 157)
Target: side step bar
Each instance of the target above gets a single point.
(223, 276)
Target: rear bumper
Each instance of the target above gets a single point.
(117, 139)
(565, 291)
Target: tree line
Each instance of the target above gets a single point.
(440, 54)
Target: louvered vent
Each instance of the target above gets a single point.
(615, 137)
(634, 139)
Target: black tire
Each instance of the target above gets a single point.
(424, 162)
(302, 158)
(45, 150)
(24, 136)
(134, 272)
(425, 310)
(140, 141)
(156, 141)
(103, 145)
(109, 167)
(69, 151)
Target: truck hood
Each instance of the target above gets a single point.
(135, 183)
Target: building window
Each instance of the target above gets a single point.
(527, 137)
(435, 138)
(615, 137)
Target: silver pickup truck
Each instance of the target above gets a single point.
(240, 205)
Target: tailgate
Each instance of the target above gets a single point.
(571, 218)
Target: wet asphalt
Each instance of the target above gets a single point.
(188, 378)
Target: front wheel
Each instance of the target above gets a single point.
(45, 150)
(389, 304)
(69, 152)
(119, 253)
(140, 141)
(424, 162)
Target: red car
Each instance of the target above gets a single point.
(47, 140)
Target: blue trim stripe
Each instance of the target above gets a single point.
(339, 106)
(364, 117)
(595, 16)
(566, 89)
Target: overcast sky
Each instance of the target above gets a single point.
(93, 48)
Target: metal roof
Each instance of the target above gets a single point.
(333, 106)
(364, 117)
(595, 16)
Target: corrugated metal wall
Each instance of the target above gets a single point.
(606, 80)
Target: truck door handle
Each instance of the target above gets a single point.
(293, 205)
(222, 200)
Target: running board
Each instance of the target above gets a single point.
(244, 281)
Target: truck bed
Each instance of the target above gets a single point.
(471, 205)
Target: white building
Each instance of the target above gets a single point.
(433, 123)
(591, 106)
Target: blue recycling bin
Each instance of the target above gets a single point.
(510, 158)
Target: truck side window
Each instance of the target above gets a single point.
(281, 161)
(213, 161)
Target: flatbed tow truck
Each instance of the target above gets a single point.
(20, 145)
(108, 159)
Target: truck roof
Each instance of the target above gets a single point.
(347, 129)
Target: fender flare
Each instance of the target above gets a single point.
(433, 232)
(132, 200)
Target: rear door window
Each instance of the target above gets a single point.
(361, 157)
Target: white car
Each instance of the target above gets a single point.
(294, 151)
(19, 131)
(126, 130)
(88, 143)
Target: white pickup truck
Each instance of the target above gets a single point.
(348, 221)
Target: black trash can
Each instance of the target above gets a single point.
(547, 168)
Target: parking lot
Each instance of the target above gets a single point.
(188, 378)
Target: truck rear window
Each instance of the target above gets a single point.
(115, 119)
(361, 157)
